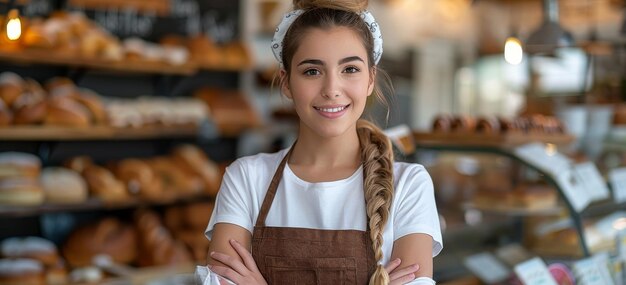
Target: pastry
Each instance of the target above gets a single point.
(31, 114)
(21, 272)
(63, 186)
(32, 247)
(442, 123)
(463, 124)
(93, 103)
(21, 192)
(174, 178)
(6, 116)
(488, 125)
(19, 165)
(78, 163)
(57, 274)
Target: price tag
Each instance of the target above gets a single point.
(592, 271)
(617, 178)
(487, 268)
(574, 189)
(544, 156)
(534, 272)
(593, 182)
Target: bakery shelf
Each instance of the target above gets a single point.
(94, 204)
(514, 211)
(42, 56)
(53, 133)
(442, 139)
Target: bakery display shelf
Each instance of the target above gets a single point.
(54, 133)
(514, 211)
(96, 204)
(35, 56)
(488, 140)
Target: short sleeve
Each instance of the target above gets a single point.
(415, 208)
(233, 201)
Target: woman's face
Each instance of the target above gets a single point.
(329, 81)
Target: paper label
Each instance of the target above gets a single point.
(593, 182)
(592, 271)
(617, 178)
(487, 268)
(574, 189)
(534, 272)
(545, 157)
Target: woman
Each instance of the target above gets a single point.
(334, 207)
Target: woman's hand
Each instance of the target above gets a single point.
(400, 275)
(245, 273)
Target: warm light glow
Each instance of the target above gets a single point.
(550, 149)
(513, 52)
(619, 224)
(14, 26)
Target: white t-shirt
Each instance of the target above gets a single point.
(335, 205)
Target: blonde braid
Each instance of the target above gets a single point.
(377, 156)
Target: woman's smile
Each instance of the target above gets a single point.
(332, 111)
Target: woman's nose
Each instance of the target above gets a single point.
(331, 87)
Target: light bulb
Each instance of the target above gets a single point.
(513, 52)
(14, 26)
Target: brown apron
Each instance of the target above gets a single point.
(309, 256)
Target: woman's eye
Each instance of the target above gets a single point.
(351, 69)
(311, 72)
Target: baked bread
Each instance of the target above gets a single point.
(108, 236)
(11, 87)
(6, 116)
(57, 274)
(488, 125)
(157, 246)
(78, 163)
(21, 272)
(93, 103)
(67, 112)
(139, 179)
(103, 184)
(442, 123)
(174, 179)
(463, 124)
(193, 160)
(63, 186)
(21, 192)
(32, 247)
(19, 165)
(31, 114)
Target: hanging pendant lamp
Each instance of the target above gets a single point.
(550, 34)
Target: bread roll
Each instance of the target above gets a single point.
(63, 186)
(21, 192)
(67, 112)
(93, 103)
(196, 215)
(157, 246)
(192, 159)
(19, 165)
(196, 242)
(21, 272)
(463, 123)
(139, 179)
(11, 86)
(488, 125)
(57, 274)
(103, 184)
(442, 123)
(107, 236)
(6, 116)
(175, 179)
(32, 247)
(31, 114)
(78, 163)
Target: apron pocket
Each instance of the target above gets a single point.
(297, 270)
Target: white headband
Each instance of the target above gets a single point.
(289, 18)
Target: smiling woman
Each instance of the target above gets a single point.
(334, 207)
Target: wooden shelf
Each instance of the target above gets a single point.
(35, 56)
(515, 211)
(94, 204)
(50, 133)
(489, 140)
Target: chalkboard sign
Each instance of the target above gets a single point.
(150, 20)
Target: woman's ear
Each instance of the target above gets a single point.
(370, 87)
(284, 83)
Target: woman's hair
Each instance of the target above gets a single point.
(376, 149)
(377, 156)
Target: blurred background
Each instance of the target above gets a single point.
(117, 119)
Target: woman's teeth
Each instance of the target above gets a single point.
(331, 110)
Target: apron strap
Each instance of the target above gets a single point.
(271, 191)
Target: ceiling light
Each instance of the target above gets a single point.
(550, 34)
